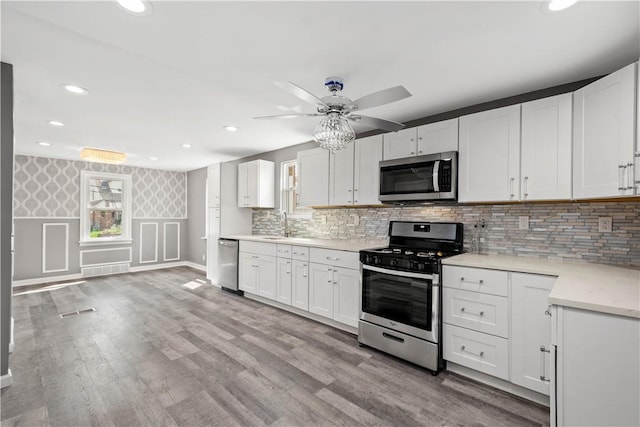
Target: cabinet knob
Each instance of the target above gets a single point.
(413, 152)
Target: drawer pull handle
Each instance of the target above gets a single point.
(392, 337)
(479, 282)
(464, 348)
(543, 350)
(333, 258)
(481, 313)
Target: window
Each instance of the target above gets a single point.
(105, 213)
(289, 190)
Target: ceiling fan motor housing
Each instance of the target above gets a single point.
(334, 84)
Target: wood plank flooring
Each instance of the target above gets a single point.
(156, 353)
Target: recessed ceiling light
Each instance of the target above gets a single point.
(230, 128)
(76, 89)
(43, 143)
(557, 5)
(153, 158)
(186, 145)
(137, 7)
(55, 123)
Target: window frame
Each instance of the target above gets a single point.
(85, 179)
(298, 211)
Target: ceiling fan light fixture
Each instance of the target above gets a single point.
(333, 133)
(102, 156)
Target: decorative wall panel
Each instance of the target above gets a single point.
(55, 247)
(50, 188)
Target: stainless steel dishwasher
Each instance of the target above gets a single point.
(228, 265)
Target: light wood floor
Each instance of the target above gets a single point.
(156, 353)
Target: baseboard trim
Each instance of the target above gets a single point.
(6, 380)
(499, 383)
(76, 276)
(299, 312)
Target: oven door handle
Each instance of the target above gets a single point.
(432, 277)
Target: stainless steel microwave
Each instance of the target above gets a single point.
(416, 179)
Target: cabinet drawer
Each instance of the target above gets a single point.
(493, 282)
(473, 310)
(300, 253)
(284, 251)
(259, 248)
(334, 257)
(475, 350)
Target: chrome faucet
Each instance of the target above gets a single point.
(287, 230)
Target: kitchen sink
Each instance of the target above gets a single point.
(274, 238)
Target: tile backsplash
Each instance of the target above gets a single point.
(567, 231)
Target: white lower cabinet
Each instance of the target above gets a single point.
(531, 331)
(300, 285)
(284, 281)
(495, 322)
(598, 369)
(257, 269)
(321, 289)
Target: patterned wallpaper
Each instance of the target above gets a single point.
(45, 187)
(567, 231)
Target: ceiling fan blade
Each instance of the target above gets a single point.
(382, 97)
(301, 93)
(377, 123)
(289, 116)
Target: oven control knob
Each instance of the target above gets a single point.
(393, 262)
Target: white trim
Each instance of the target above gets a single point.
(84, 243)
(155, 246)
(44, 246)
(46, 217)
(127, 201)
(48, 279)
(195, 266)
(11, 335)
(164, 241)
(6, 380)
(160, 218)
(82, 264)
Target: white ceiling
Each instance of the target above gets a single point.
(181, 74)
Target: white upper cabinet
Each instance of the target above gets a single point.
(400, 144)
(546, 149)
(489, 158)
(354, 175)
(603, 136)
(433, 138)
(438, 137)
(256, 184)
(313, 177)
(213, 185)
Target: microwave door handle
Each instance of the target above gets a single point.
(436, 169)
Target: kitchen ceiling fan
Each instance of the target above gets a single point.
(334, 131)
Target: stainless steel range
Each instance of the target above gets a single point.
(401, 296)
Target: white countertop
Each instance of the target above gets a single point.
(341, 245)
(596, 287)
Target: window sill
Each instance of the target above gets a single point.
(103, 242)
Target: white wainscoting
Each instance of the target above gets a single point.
(118, 255)
(56, 244)
(151, 233)
(174, 249)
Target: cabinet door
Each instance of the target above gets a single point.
(490, 155)
(284, 279)
(248, 272)
(313, 178)
(341, 176)
(267, 277)
(243, 196)
(400, 144)
(213, 185)
(438, 137)
(253, 183)
(346, 296)
(603, 136)
(300, 285)
(531, 331)
(546, 149)
(366, 170)
(321, 289)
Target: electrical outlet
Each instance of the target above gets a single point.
(605, 224)
(523, 222)
(356, 219)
